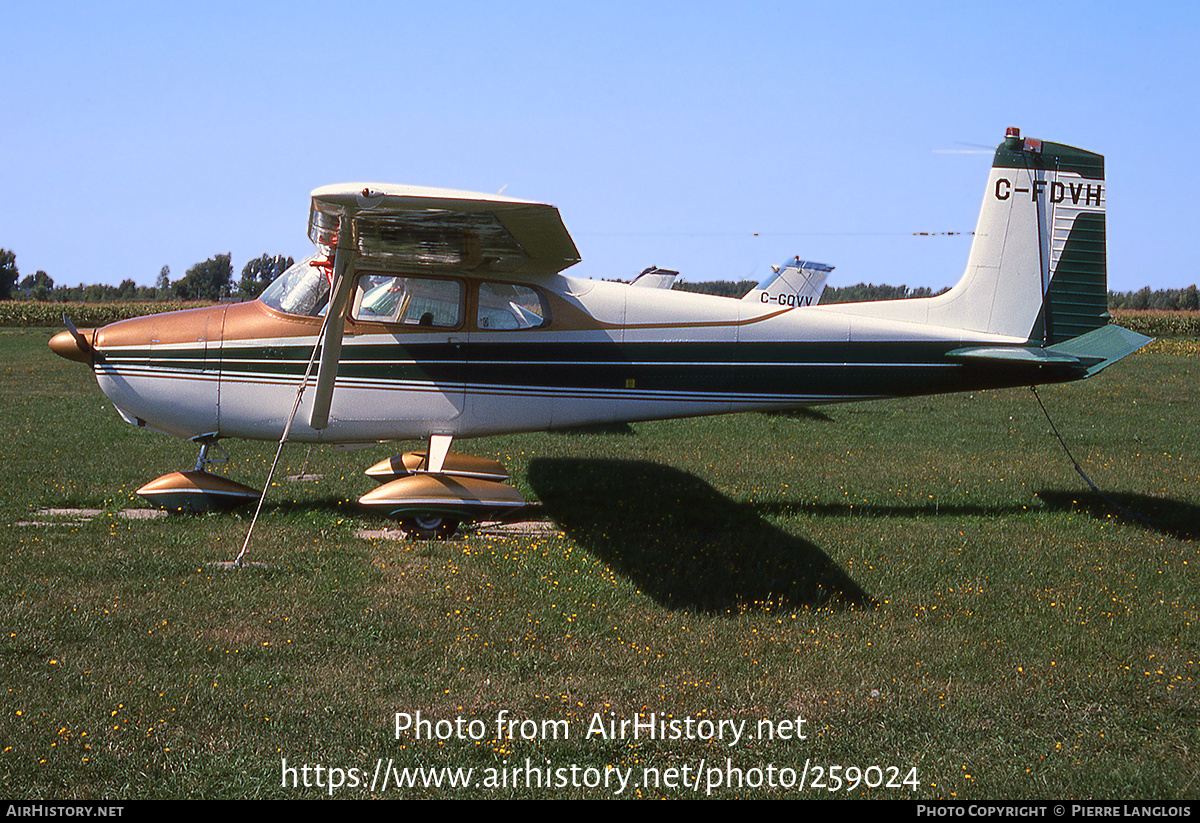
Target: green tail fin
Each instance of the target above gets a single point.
(1065, 187)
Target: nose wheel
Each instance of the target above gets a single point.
(199, 490)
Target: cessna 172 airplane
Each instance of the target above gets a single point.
(432, 315)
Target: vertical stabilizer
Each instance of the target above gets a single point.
(1037, 267)
(655, 278)
(796, 283)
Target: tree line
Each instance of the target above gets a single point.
(859, 293)
(1167, 299)
(213, 280)
(210, 280)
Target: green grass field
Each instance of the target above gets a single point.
(918, 598)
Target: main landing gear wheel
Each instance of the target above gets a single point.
(429, 527)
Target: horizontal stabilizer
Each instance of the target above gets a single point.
(1102, 347)
(1012, 355)
(1089, 353)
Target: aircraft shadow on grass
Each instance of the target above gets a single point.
(1176, 518)
(685, 544)
(932, 509)
(600, 428)
(802, 413)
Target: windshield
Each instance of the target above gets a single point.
(303, 289)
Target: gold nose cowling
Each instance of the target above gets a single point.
(73, 345)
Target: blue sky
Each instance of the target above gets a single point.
(712, 138)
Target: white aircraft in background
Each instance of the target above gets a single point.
(795, 283)
(655, 278)
(433, 315)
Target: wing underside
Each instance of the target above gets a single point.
(415, 228)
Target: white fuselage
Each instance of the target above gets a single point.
(643, 354)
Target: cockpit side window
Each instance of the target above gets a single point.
(409, 301)
(509, 306)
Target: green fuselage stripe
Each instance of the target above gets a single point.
(840, 369)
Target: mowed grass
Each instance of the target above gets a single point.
(926, 583)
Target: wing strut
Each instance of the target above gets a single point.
(335, 322)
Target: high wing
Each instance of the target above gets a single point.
(412, 227)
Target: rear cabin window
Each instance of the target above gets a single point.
(409, 301)
(506, 306)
